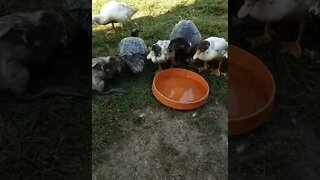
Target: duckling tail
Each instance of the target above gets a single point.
(95, 18)
(135, 62)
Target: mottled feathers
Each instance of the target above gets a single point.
(159, 52)
(133, 51)
(186, 29)
(103, 68)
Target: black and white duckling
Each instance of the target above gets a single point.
(212, 48)
(188, 30)
(104, 69)
(114, 12)
(159, 53)
(133, 51)
(180, 51)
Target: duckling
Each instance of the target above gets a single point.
(270, 11)
(159, 53)
(133, 51)
(179, 51)
(315, 8)
(114, 12)
(28, 43)
(104, 69)
(212, 48)
(188, 30)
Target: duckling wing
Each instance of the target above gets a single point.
(187, 30)
(135, 62)
(164, 44)
(217, 43)
(132, 45)
(127, 10)
(119, 11)
(21, 22)
(133, 51)
(99, 61)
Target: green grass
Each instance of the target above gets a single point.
(155, 20)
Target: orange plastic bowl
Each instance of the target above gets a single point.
(180, 89)
(251, 92)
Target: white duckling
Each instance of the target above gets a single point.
(159, 53)
(270, 11)
(114, 12)
(212, 48)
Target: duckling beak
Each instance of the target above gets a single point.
(197, 54)
(149, 55)
(246, 8)
(133, 11)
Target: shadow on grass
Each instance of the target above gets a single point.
(211, 20)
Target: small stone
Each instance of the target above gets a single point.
(241, 148)
(194, 114)
(142, 115)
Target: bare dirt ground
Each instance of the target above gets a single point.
(163, 145)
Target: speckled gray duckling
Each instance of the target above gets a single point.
(188, 30)
(133, 51)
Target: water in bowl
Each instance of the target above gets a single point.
(245, 95)
(181, 89)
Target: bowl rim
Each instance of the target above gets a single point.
(186, 70)
(273, 93)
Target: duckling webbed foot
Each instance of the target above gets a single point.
(257, 41)
(292, 48)
(266, 38)
(113, 28)
(205, 67)
(216, 72)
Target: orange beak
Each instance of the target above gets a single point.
(197, 54)
(246, 8)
